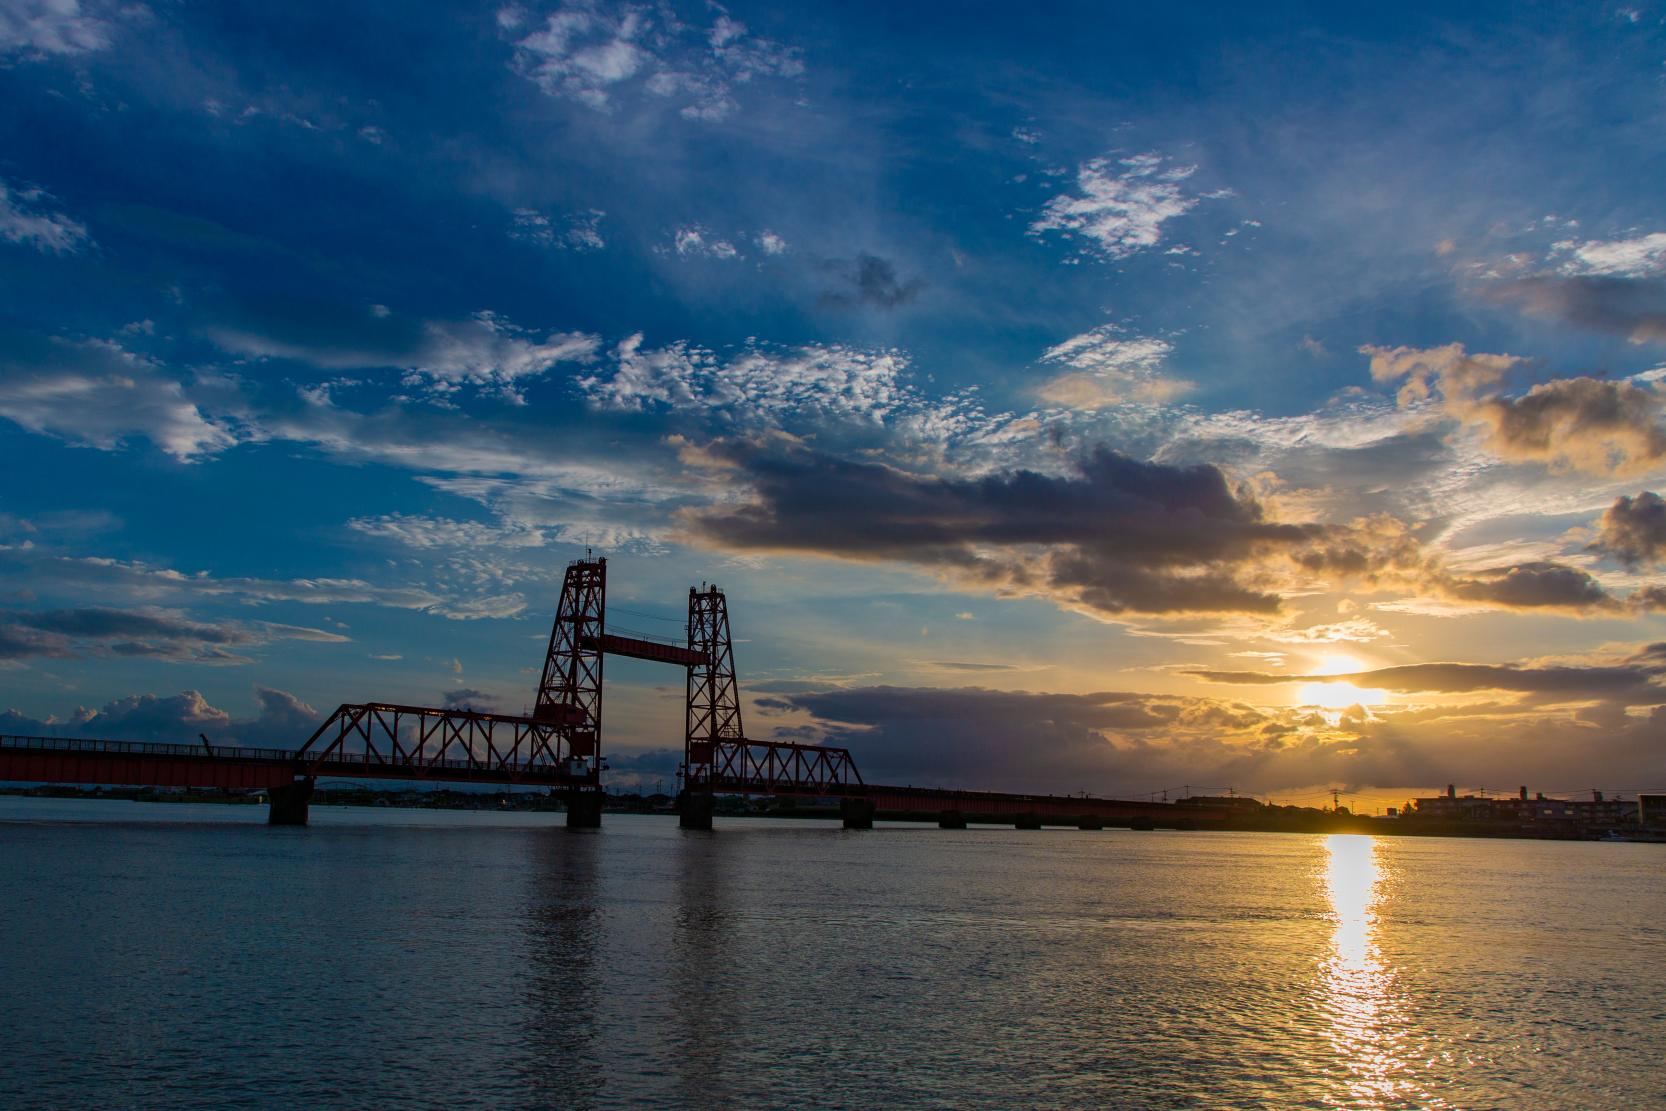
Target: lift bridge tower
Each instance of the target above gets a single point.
(713, 709)
(570, 691)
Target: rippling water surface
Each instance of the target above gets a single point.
(188, 956)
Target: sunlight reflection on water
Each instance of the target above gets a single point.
(1360, 999)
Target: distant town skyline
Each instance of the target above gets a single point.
(1067, 399)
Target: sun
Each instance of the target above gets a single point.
(1338, 694)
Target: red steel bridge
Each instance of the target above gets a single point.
(559, 746)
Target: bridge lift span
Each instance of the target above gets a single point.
(560, 745)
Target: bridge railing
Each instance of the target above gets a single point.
(142, 748)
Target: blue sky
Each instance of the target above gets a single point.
(1062, 393)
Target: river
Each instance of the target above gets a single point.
(163, 956)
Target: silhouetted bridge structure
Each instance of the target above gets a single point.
(558, 746)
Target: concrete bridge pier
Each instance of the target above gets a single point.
(1027, 821)
(287, 804)
(694, 809)
(857, 813)
(584, 809)
(951, 819)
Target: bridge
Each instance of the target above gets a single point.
(559, 746)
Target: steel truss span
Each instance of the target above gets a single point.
(382, 740)
(773, 767)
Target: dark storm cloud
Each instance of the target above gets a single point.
(1115, 743)
(1633, 530)
(1117, 536)
(154, 633)
(65, 634)
(1631, 307)
(1633, 679)
(868, 281)
(981, 737)
(1537, 585)
(19, 642)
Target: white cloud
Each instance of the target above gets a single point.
(95, 393)
(476, 609)
(50, 27)
(1626, 258)
(580, 52)
(439, 532)
(1110, 368)
(94, 576)
(1356, 630)
(489, 350)
(697, 241)
(22, 221)
(1122, 206)
(843, 383)
(771, 244)
(484, 350)
(577, 231)
(94, 572)
(591, 53)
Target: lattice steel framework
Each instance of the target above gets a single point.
(713, 715)
(570, 691)
(379, 739)
(775, 767)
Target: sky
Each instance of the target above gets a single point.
(1090, 397)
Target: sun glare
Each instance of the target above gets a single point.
(1338, 694)
(1336, 663)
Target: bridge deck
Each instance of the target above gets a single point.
(128, 763)
(940, 800)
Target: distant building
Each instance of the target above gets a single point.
(1595, 811)
(1651, 810)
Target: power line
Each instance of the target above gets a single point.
(649, 616)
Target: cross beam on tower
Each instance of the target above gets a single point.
(641, 648)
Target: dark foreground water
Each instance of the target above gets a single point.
(187, 956)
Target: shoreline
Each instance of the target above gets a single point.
(734, 807)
